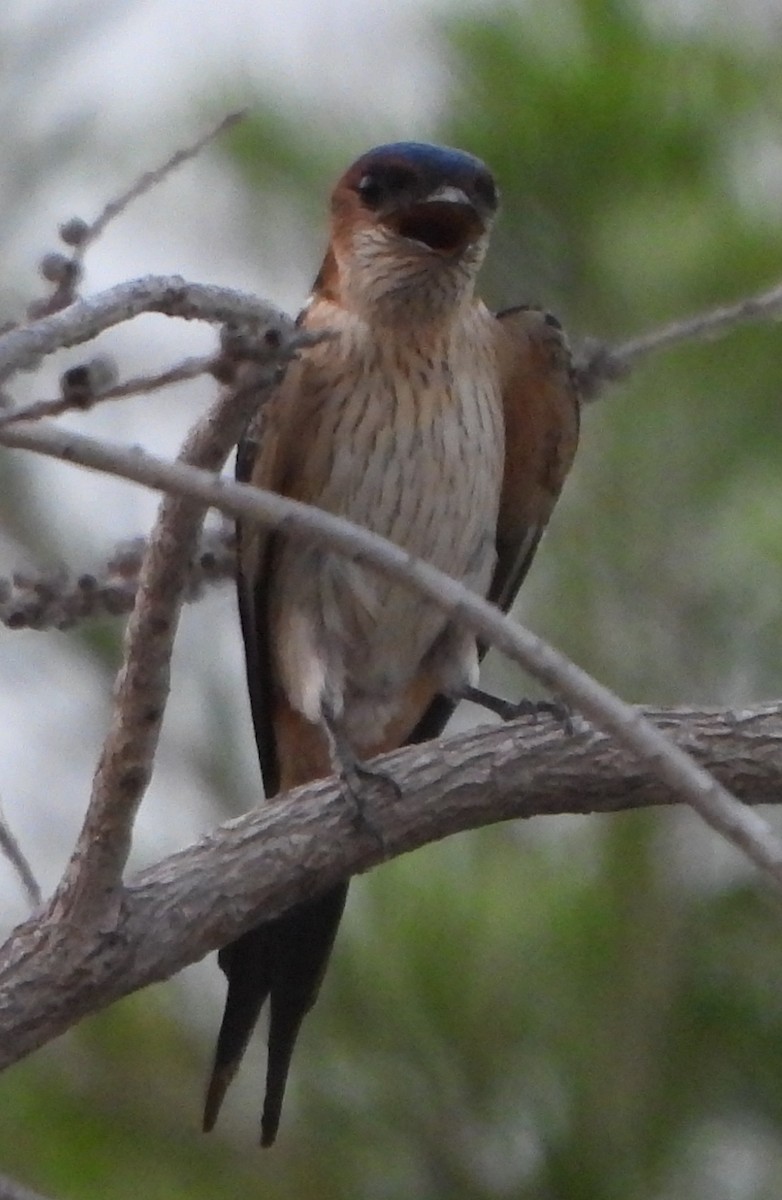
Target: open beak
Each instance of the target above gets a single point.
(446, 221)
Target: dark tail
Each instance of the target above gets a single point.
(284, 960)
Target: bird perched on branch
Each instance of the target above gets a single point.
(431, 421)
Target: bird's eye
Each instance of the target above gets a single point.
(370, 190)
(386, 182)
(485, 189)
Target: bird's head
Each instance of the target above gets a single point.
(410, 225)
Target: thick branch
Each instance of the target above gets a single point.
(255, 867)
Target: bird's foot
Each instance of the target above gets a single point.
(357, 778)
(508, 710)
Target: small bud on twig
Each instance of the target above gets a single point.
(56, 268)
(81, 385)
(74, 231)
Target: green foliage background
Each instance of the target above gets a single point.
(589, 1010)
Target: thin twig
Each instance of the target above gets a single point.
(151, 179)
(702, 326)
(189, 368)
(600, 363)
(13, 852)
(65, 271)
(59, 600)
(715, 804)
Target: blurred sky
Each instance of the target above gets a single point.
(130, 82)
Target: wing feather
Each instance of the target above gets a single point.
(541, 409)
(260, 460)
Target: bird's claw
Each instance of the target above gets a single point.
(356, 778)
(509, 710)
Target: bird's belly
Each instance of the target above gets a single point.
(356, 639)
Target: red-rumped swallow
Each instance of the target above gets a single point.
(427, 419)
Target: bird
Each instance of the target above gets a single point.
(428, 419)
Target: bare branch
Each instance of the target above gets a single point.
(24, 347)
(189, 368)
(151, 179)
(745, 829)
(253, 868)
(704, 326)
(600, 363)
(65, 271)
(13, 852)
(58, 600)
(95, 871)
